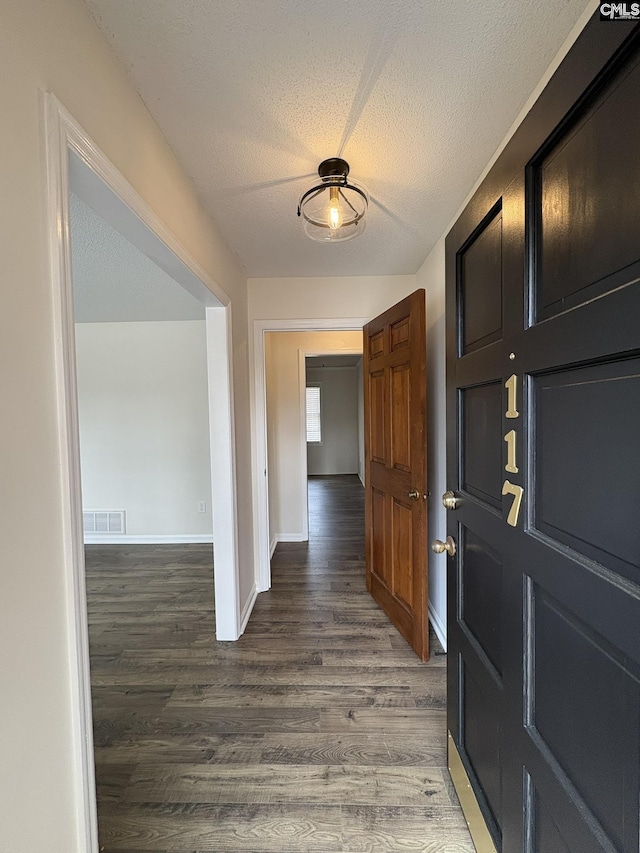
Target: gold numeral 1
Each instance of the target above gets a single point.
(512, 402)
(517, 492)
(511, 466)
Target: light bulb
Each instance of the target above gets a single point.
(335, 210)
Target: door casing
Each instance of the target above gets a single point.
(73, 159)
(262, 544)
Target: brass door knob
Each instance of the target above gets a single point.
(439, 547)
(449, 500)
(414, 494)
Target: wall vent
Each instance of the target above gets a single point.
(104, 521)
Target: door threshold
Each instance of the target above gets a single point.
(480, 834)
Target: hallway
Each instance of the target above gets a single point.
(319, 730)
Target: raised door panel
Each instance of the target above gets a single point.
(378, 417)
(403, 568)
(480, 740)
(586, 232)
(480, 596)
(379, 561)
(376, 342)
(400, 334)
(480, 286)
(595, 740)
(400, 416)
(587, 471)
(482, 442)
(545, 836)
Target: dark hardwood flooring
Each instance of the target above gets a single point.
(319, 730)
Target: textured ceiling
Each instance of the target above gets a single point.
(415, 94)
(114, 282)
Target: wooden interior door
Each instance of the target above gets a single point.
(543, 384)
(395, 467)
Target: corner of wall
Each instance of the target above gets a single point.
(439, 626)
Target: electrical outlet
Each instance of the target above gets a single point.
(202, 506)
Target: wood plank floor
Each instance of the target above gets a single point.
(319, 730)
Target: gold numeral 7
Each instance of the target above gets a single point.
(517, 492)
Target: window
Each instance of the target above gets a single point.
(314, 422)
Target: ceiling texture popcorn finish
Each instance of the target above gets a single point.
(114, 282)
(253, 94)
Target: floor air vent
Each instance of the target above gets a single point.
(103, 521)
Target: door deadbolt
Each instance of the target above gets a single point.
(439, 547)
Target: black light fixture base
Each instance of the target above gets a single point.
(334, 167)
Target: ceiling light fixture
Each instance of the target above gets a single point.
(334, 210)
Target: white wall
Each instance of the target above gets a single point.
(53, 45)
(286, 441)
(431, 277)
(338, 451)
(144, 426)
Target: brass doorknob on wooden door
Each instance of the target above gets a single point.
(414, 494)
(439, 547)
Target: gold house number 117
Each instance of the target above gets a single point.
(509, 488)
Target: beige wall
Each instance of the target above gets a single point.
(287, 448)
(53, 45)
(330, 298)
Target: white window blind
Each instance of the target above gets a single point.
(314, 425)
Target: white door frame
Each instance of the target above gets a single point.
(262, 544)
(71, 154)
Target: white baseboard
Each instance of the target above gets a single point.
(438, 626)
(248, 607)
(272, 546)
(148, 539)
(291, 537)
(361, 478)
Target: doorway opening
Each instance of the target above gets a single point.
(75, 165)
(285, 360)
(335, 414)
(334, 431)
(263, 542)
(142, 394)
